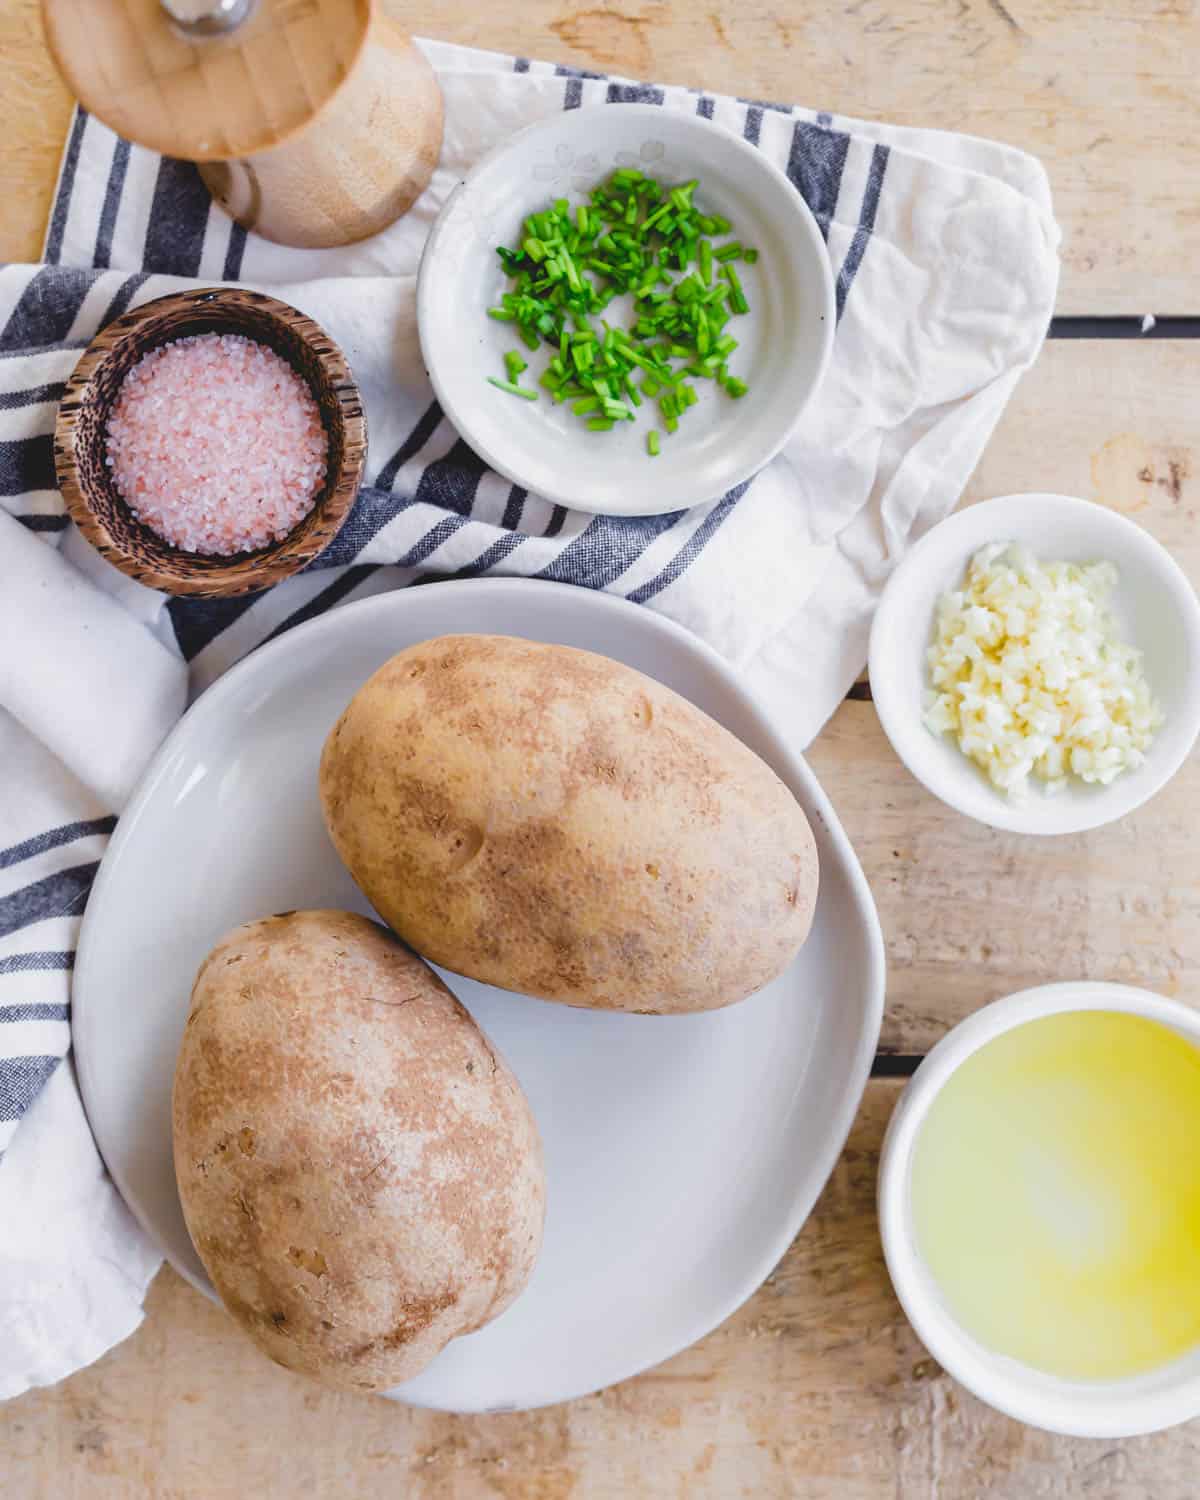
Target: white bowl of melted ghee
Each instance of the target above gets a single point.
(1039, 1204)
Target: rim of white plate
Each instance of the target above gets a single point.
(858, 1073)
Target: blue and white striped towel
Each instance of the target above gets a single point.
(945, 255)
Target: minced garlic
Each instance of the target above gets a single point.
(1028, 672)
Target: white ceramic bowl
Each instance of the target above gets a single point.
(1100, 1408)
(1155, 607)
(784, 341)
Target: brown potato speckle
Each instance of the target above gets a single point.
(550, 821)
(360, 1173)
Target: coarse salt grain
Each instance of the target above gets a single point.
(216, 444)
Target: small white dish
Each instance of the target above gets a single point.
(784, 341)
(683, 1153)
(1155, 607)
(1080, 1408)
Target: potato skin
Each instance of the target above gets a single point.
(550, 821)
(359, 1171)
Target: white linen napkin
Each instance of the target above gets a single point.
(944, 251)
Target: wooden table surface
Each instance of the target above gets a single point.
(817, 1387)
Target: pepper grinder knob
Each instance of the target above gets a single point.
(197, 18)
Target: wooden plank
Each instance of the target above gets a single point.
(34, 113)
(971, 914)
(817, 1389)
(1064, 79)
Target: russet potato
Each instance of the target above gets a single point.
(550, 821)
(359, 1170)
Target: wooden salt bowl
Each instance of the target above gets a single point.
(79, 434)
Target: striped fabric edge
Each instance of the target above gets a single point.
(428, 501)
(45, 880)
(47, 315)
(813, 156)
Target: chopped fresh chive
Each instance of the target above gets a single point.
(706, 262)
(513, 390)
(737, 298)
(637, 237)
(652, 219)
(652, 443)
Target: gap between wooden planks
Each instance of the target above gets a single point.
(971, 914)
(815, 1390)
(1104, 95)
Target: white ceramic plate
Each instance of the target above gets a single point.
(784, 341)
(682, 1153)
(1155, 607)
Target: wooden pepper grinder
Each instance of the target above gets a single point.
(313, 122)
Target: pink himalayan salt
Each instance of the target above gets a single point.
(216, 444)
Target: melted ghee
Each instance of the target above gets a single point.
(1056, 1194)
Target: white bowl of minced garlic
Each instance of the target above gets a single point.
(1035, 662)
